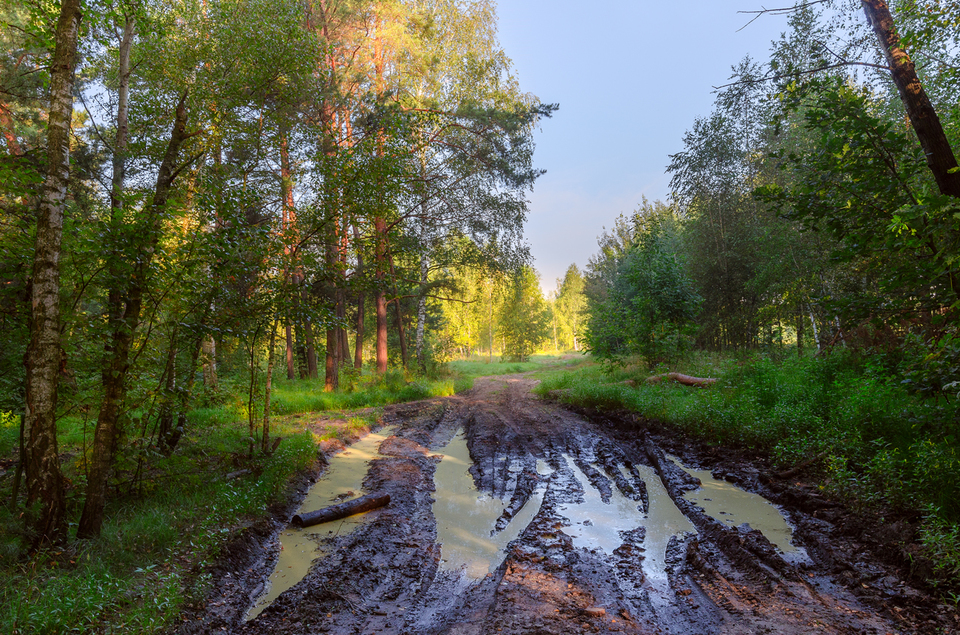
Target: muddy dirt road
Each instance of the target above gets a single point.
(570, 524)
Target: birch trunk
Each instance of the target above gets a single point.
(42, 361)
(422, 313)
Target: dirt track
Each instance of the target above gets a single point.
(387, 577)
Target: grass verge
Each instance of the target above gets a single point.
(171, 516)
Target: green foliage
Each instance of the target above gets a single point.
(649, 303)
(863, 180)
(524, 319)
(570, 307)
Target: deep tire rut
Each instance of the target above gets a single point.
(386, 576)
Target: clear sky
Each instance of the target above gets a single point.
(630, 77)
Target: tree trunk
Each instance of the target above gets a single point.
(923, 117)
(331, 374)
(42, 360)
(291, 370)
(401, 334)
(358, 353)
(380, 231)
(209, 350)
(169, 393)
(311, 350)
(341, 510)
(124, 325)
(422, 312)
(799, 330)
(813, 324)
(268, 386)
(252, 391)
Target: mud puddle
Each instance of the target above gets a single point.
(466, 518)
(597, 524)
(663, 521)
(591, 540)
(299, 547)
(735, 507)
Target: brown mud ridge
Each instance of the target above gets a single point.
(387, 576)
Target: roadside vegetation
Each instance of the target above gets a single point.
(172, 515)
(806, 258)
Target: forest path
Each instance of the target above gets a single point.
(601, 540)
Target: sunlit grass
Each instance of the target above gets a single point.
(482, 366)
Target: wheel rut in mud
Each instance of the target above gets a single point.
(561, 523)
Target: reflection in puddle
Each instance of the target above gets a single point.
(466, 518)
(733, 506)
(663, 521)
(595, 524)
(342, 481)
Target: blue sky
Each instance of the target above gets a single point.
(630, 78)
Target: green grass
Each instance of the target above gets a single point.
(481, 366)
(170, 516)
(159, 532)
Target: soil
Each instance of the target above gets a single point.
(386, 577)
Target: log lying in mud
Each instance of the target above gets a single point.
(341, 510)
(686, 380)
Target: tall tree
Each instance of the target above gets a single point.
(44, 354)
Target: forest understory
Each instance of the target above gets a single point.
(849, 573)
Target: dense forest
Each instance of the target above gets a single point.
(812, 236)
(203, 201)
(218, 182)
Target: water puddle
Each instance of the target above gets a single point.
(466, 518)
(733, 506)
(342, 481)
(595, 524)
(663, 521)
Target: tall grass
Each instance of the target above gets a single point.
(169, 516)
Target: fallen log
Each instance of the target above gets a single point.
(686, 380)
(341, 510)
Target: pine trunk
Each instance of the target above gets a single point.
(268, 387)
(923, 117)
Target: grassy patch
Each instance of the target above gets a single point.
(170, 516)
(481, 366)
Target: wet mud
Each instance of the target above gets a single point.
(509, 514)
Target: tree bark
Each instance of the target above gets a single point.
(42, 360)
(422, 313)
(799, 330)
(268, 387)
(358, 351)
(923, 117)
(125, 310)
(342, 510)
(380, 231)
(331, 374)
(209, 350)
(291, 370)
(686, 380)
